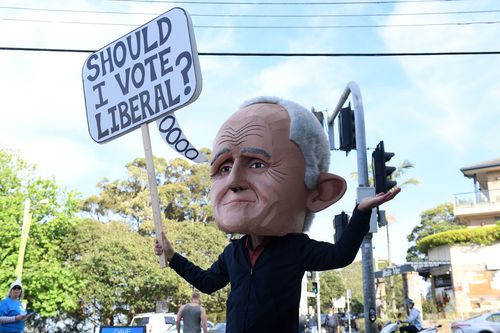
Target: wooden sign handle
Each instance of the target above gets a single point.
(155, 202)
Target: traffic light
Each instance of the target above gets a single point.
(381, 172)
(347, 129)
(340, 223)
(315, 287)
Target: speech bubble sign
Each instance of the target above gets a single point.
(171, 133)
(141, 76)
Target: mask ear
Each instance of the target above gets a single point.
(329, 190)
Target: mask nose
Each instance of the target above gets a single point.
(237, 179)
(235, 188)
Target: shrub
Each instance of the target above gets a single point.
(481, 236)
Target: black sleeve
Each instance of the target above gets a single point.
(320, 256)
(206, 281)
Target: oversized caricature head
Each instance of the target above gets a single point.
(269, 169)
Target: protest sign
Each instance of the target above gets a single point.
(142, 76)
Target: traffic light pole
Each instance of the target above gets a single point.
(366, 247)
(318, 302)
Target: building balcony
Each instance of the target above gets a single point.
(477, 203)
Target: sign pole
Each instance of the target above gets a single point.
(155, 202)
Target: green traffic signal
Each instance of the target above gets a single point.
(315, 287)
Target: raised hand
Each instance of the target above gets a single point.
(164, 246)
(372, 202)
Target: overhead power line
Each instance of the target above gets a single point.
(277, 54)
(80, 11)
(281, 3)
(344, 26)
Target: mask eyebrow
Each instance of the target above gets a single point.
(258, 151)
(251, 150)
(218, 154)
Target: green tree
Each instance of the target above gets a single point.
(122, 276)
(183, 190)
(332, 286)
(432, 221)
(184, 200)
(51, 287)
(352, 276)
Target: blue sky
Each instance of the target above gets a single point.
(439, 112)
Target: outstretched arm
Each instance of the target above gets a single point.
(206, 281)
(11, 319)
(372, 202)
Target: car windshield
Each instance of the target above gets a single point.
(170, 320)
(142, 321)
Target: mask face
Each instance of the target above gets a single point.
(258, 174)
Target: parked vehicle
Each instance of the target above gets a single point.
(391, 327)
(155, 322)
(484, 323)
(173, 329)
(218, 328)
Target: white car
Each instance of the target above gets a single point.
(173, 329)
(484, 323)
(155, 322)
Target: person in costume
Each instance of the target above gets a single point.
(269, 172)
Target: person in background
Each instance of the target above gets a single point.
(12, 313)
(332, 322)
(414, 321)
(193, 316)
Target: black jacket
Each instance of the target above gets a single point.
(265, 298)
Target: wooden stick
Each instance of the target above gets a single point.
(155, 202)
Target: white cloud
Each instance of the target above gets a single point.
(454, 86)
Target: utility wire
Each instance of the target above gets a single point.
(342, 26)
(281, 3)
(257, 15)
(277, 54)
(270, 27)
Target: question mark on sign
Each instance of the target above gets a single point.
(186, 55)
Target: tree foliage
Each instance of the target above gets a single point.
(486, 235)
(183, 190)
(332, 286)
(51, 287)
(432, 221)
(79, 273)
(352, 276)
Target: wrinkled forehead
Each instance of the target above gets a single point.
(261, 121)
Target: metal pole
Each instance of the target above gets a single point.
(318, 306)
(24, 238)
(366, 247)
(348, 294)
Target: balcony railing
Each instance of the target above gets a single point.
(482, 200)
